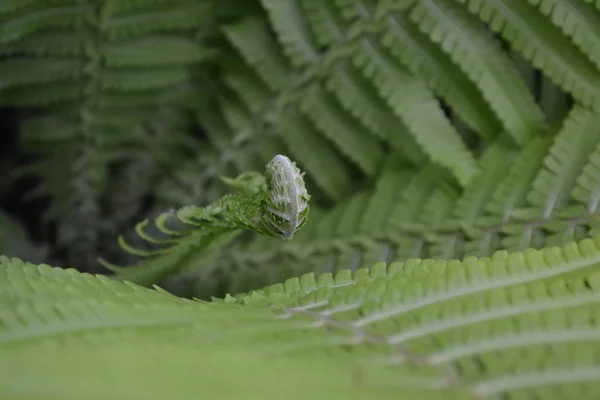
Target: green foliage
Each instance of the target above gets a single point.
(519, 324)
(274, 205)
(95, 73)
(432, 132)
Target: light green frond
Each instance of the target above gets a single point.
(512, 190)
(427, 61)
(250, 37)
(587, 190)
(543, 44)
(415, 329)
(346, 133)
(287, 19)
(415, 104)
(578, 21)
(494, 163)
(572, 146)
(327, 169)
(470, 46)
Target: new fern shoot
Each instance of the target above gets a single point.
(275, 204)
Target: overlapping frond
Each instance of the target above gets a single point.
(343, 90)
(95, 74)
(422, 212)
(513, 324)
(542, 43)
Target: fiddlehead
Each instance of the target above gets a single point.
(274, 205)
(285, 209)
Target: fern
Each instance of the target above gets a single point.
(543, 44)
(422, 212)
(433, 132)
(94, 73)
(515, 324)
(275, 204)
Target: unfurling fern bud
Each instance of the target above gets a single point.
(286, 208)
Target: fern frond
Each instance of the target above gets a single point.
(125, 23)
(275, 204)
(421, 213)
(411, 101)
(587, 190)
(95, 93)
(543, 44)
(49, 43)
(251, 38)
(479, 56)
(528, 319)
(344, 132)
(34, 17)
(23, 71)
(141, 52)
(427, 61)
(292, 31)
(572, 146)
(349, 86)
(578, 21)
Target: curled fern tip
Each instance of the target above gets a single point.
(285, 210)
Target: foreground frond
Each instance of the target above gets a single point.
(514, 324)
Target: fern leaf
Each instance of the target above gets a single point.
(327, 169)
(353, 91)
(250, 37)
(415, 194)
(494, 163)
(143, 79)
(142, 52)
(185, 15)
(49, 43)
(595, 2)
(41, 94)
(288, 21)
(527, 319)
(22, 71)
(411, 101)
(572, 147)
(543, 44)
(469, 45)
(28, 20)
(330, 118)
(512, 191)
(426, 60)
(116, 7)
(587, 190)
(578, 21)
(394, 178)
